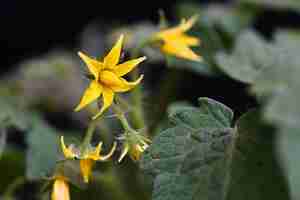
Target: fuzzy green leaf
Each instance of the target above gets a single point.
(255, 170)
(187, 158)
(250, 56)
(43, 150)
(276, 4)
(230, 20)
(202, 157)
(12, 115)
(280, 84)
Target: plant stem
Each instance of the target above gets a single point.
(137, 114)
(88, 136)
(8, 194)
(122, 118)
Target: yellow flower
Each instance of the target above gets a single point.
(176, 42)
(107, 77)
(60, 189)
(134, 145)
(87, 158)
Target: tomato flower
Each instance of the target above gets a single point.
(60, 189)
(107, 77)
(87, 158)
(134, 145)
(176, 42)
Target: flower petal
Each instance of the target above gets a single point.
(107, 156)
(180, 50)
(124, 152)
(113, 56)
(181, 28)
(188, 40)
(125, 86)
(186, 25)
(93, 65)
(67, 151)
(128, 66)
(135, 152)
(91, 93)
(108, 97)
(95, 155)
(86, 168)
(60, 190)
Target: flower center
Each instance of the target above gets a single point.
(108, 78)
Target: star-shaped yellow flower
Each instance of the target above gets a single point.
(107, 77)
(176, 42)
(60, 189)
(87, 158)
(134, 145)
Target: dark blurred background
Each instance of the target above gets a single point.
(29, 28)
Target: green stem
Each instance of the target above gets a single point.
(88, 136)
(121, 116)
(8, 194)
(111, 182)
(137, 114)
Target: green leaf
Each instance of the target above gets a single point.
(11, 167)
(250, 56)
(43, 150)
(210, 114)
(280, 84)
(275, 4)
(255, 171)
(289, 149)
(228, 19)
(12, 115)
(202, 157)
(3, 135)
(186, 158)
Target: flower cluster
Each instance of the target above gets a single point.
(106, 81)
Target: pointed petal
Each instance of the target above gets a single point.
(110, 153)
(66, 151)
(124, 152)
(186, 25)
(60, 190)
(125, 86)
(113, 56)
(180, 50)
(128, 66)
(93, 65)
(181, 28)
(188, 40)
(86, 168)
(91, 93)
(108, 97)
(95, 155)
(135, 152)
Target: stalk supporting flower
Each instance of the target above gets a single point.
(87, 158)
(107, 77)
(175, 42)
(60, 189)
(134, 145)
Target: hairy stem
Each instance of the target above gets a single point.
(88, 135)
